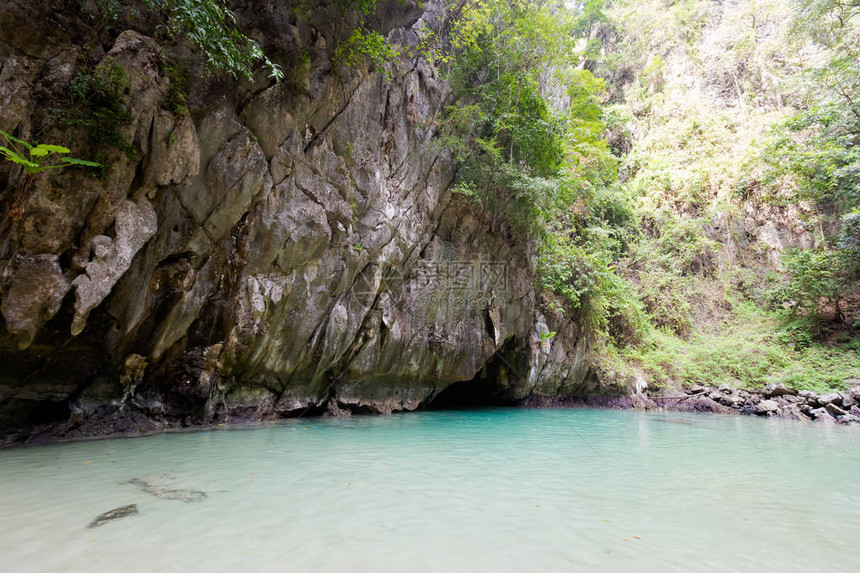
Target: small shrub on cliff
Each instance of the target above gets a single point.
(96, 105)
(821, 284)
(34, 159)
(177, 92)
(210, 25)
(37, 157)
(366, 46)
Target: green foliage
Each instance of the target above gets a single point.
(210, 25)
(501, 116)
(815, 275)
(542, 168)
(787, 75)
(177, 92)
(813, 156)
(545, 336)
(366, 47)
(363, 7)
(35, 158)
(816, 147)
(748, 351)
(849, 239)
(673, 264)
(652, 77)
(820, 281)
(97, 105)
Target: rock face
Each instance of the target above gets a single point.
(272, 249)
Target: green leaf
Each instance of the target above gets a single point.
(80, 162)
(15, 158)
(11, 138)
(43, 149)
(10, 153)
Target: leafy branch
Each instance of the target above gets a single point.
(211, 25)
(33, 158)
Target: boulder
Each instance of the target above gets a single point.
(766, 407)
(833, 397)
(793, 411)
(821, 415)
(834, 410)
(134, 225)
(773, 390)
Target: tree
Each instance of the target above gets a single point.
(211, 25)
(527, 133)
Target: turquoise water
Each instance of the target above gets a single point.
(483, 490)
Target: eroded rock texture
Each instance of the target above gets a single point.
(276, 249)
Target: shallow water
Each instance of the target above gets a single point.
(482, 490)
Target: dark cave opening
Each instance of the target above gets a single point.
(473, 393)
(491, 386)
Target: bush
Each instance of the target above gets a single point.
(96, 105)
(746, 352)
(366, 47)
(819, 282)
(210, 25)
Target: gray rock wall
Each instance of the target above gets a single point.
(277, 249)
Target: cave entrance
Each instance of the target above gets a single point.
(473, 393)
(490, 387)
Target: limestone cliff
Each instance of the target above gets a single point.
(264, 250)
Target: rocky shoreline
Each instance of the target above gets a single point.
(774, 400)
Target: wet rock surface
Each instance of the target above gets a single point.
(769, 402)
(781, 401)
(162, 488)
(113, 515)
